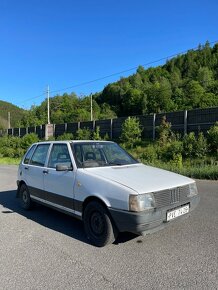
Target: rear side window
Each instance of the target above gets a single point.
(39, 155)
(29, 154)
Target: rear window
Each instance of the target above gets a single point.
(29, 154)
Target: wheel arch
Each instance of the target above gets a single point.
(89, 199)
(21, 182)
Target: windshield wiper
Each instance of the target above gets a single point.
(115, 163)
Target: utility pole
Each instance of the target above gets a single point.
(9, 120)
(48, 105)
(91, 107)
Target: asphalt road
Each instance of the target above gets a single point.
(44, 249)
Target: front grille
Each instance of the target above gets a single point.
(171, 196)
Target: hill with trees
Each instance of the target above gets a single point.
(16, 114)
(65, 109)
(187, 81)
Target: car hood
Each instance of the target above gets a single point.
(141, 178)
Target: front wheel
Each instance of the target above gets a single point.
(25, 200)
(98, 225)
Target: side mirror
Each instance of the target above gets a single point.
(63, 167)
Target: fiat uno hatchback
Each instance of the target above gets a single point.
(101, 184)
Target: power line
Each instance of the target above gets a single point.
(30, 99)
(124, 71)
(115, 74)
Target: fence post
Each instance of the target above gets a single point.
(49, 131)
(93, 125)
(153, 126)
(65, 127)
(111, 129)
(185, 121)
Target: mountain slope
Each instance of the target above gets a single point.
(15, 112)
(187, 81)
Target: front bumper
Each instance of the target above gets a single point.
(148, 221)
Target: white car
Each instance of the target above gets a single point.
(101, 184)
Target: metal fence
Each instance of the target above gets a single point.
(198, 120)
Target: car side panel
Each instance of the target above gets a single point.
(112, 194)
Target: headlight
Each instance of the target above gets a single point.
(141, 202)
(192, 189)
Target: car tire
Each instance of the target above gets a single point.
(98, 225)
(25, 200)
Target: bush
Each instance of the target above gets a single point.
(189, 144)
(96, 134)
(106, 137)
(28, 140)
(164, 131)
(65, 136)
(149, 153)
(177, 160)
(19, 152)
(83, 134)
(14, 142)
(9, 145)
(168, 151)
(9, 152)
(131, 132)
(212, 137)
(194, 147)
(4, 142)
(201, 146)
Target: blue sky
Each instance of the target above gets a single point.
(66, 43)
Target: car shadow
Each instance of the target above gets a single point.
(52, 219)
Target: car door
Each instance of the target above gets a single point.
(34, 171)
(59, 185)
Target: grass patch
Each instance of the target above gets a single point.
(199, 168)
(195, 171)
(9, 161)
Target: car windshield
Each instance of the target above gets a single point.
(97, 154)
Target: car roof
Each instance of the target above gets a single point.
(74, 141)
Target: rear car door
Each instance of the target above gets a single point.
(34, 171)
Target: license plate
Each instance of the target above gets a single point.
(177, 212)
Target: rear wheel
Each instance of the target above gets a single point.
(98, 225)
(25, 200)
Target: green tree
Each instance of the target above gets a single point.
(134, 102)
(212, 136)
(205, 76)
(96, 134)
(194, 94)
(164, 131)
(159, 97)
(131, 132)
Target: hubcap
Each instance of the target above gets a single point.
(25, 198)
(97, 223)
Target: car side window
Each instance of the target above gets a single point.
(39, 155)
(29, 154)
(59, 155)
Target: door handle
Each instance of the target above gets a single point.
(45, 171)
(26, 168)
